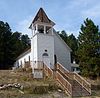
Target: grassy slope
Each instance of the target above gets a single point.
(25, 79)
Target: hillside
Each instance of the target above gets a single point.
(24, 86)
(29, 87)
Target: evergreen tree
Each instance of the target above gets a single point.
(16, 44)
(11, 45)
(89, 48)
(63, 35)
(25, 41)
(5, 46)
(73, 44)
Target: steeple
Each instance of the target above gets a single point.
(41, 23)
(41, 17)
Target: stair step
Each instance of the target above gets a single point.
(77, 89)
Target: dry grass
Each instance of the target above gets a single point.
(31, 87)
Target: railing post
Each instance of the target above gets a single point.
(54, 71)
(74, 77)
(43, 72)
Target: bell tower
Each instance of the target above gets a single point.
(41, 23)
(42, 42)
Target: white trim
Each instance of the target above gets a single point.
(52, 30)
(36, 28)
(42, 34)
(42, 23)
(44, 29)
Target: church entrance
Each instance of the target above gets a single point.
(46, 59)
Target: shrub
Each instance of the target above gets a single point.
(40, 89)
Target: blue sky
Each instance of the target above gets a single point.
(67, 14)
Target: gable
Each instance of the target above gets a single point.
(63, 42)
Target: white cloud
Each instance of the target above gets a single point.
(75, 33)
(23, 26)
(68, 18)
(80, 3)
(68, 31)
(93, 12)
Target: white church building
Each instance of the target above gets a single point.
(46, 45)
(49, 56)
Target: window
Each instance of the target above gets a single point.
(45, 50)
(45, 54)
(73, 69)
(21, 63)
(77, 68)
(29, 58)
(24, 60)
(41, 28)
(41, 31)
(55, 59)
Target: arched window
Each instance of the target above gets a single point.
(45, 54)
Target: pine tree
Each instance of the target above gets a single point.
(73, 44)
(63, 35)
(89, 48)
(5, 51)
(11, 45)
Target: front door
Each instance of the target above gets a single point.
(46, 59)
